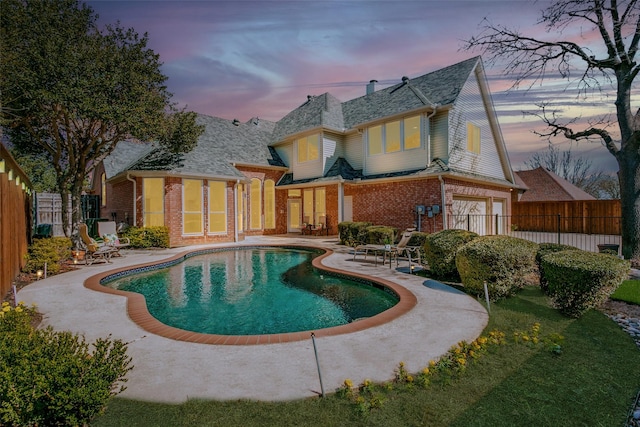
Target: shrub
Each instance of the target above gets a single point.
(548, 248)
(380, 235)
(440, 251)
(52, 378)
(352, 233)
(504, 262)
(54, 251)
(578, 281)
(147, 237)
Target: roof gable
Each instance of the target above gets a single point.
(319, 111)
(545, 186)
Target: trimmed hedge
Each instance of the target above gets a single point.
(440, 251)
(380, 235)
(548, 248)
(147, 237)
(352, 233)
(53, 251)
(578, 281)
(504, 262)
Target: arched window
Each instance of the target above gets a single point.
(256, 204)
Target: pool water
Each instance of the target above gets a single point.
(253, 291)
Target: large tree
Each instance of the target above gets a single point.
(70, 91)
(610, 58)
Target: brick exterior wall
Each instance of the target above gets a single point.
(394, 203)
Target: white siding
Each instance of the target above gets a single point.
(416, 158)
(332, 148)
(469, 107)
(439, 136)
(354, 150)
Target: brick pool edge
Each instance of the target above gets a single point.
(139, 314)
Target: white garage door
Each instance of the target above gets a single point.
(469, 214)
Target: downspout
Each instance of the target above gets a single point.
(235, 208)
(135, 199)
(444, 199)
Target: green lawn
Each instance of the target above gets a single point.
(592, 382)
(628, 291)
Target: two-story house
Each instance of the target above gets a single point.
(419, 153)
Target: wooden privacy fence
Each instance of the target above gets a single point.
(579, 216)
(15, 219)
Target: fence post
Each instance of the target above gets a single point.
(558, 228)
(496, 229)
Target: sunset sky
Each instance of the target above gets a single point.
(241, 59)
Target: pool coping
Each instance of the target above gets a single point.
(138, 312)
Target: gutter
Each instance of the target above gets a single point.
(135, 199)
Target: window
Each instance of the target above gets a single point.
(192, 206)
(412, 133)
(240, 207)
(269, 204)
(217, 207)
(294, 193)
(473, 138)
(103, 189)
(395, 136)
(392, 137)
(375, 140)
(256, 204)
(308, 148)
(321, 203)
(307, 206)
(153, 201)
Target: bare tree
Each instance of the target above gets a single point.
(576, 170)
(617, 23)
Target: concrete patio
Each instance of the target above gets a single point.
(173, 371)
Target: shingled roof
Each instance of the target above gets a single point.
(324, 110)
(545, 186)
(440, 87)
(223, 143)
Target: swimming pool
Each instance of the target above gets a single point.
(253, 291)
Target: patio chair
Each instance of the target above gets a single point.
(319, 227)
(107, 232)
(95, 251)
(402, 250)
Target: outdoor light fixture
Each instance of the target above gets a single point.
(39, 274)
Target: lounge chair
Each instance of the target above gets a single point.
(95, 251)
(402, 250)
(107, 232)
